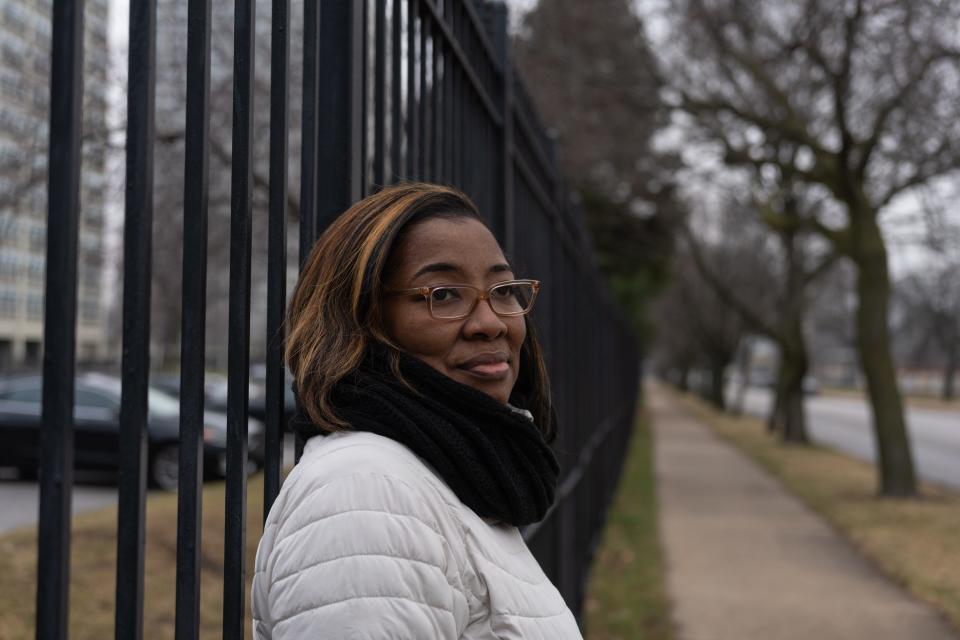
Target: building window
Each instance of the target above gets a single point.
(34, 306)
(8, 304)
(89, 312)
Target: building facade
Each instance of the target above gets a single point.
(25, 37)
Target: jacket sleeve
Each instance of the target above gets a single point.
(361, 557)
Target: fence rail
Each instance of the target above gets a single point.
(392, 90)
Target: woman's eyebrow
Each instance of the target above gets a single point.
(446, 267)
(437, 267)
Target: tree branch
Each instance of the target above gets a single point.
(866, 148)
(726, 295)
(823, 267)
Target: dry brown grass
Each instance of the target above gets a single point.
(916, 542)
(93, 569)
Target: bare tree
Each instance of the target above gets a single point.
(770, 290)
(930, 298)
(169, 150)
(867, 92)
(695, 329)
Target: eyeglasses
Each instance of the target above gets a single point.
(456, 301)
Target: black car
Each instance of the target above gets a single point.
(97, 427)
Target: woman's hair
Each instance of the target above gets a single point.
(336, 310)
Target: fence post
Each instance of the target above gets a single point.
(495, 15)
(196, 186)
(135, 365)
(342, 113)
(60, 336)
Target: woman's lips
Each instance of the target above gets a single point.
(491, 370)
(487, 366)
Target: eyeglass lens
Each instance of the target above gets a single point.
(505, 299)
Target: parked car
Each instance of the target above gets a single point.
(97, 427)
(215, 390)
(258, 401)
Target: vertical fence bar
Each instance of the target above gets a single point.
(448, 125)
(435, 122)
(135, 367)
(309, 127)
(423, 146)
(342, 108)
(495, 16)
(413, 112)
(193, 319)
(364, 80)
(379, 92)
(238, 362)
(396, 92)
(309, 143)
(276, 251)
(60, 313)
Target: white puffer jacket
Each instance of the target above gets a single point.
(366, 542)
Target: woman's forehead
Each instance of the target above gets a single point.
(461, 243)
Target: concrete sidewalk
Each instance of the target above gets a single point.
(747, 561)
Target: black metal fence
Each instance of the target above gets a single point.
(392, 90)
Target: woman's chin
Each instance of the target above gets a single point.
(497, 388)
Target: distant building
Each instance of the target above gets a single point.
(25, 36)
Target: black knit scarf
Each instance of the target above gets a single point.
(493, 457)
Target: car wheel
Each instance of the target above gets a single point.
(165, 467)
(29, 472)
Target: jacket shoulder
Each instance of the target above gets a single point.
(358, 534)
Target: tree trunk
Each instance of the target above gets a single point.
(717, 396)
(897, 477)
(744, 367)
(948, 391)
(793, 419)
(789, 414)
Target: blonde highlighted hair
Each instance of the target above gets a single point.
(336, 310)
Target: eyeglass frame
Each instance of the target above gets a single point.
(427, 292)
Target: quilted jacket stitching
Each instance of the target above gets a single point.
(317, 607)
(358, 555)
(281, 535)
(287, 540)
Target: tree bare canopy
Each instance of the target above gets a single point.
(860, 100)
(843, 94)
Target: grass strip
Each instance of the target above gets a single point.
(626, 597)
(916, 542)
(93, 568)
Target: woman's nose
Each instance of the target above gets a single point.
(484, 322)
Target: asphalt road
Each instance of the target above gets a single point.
(20, 499)
(844, 424)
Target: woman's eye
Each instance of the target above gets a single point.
(445, 295)
(506, 291)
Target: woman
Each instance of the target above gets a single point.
(427, 409)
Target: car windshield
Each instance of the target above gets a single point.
(162, 404)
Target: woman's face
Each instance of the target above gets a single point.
(481, 350)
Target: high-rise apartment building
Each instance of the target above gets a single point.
(25, 46)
